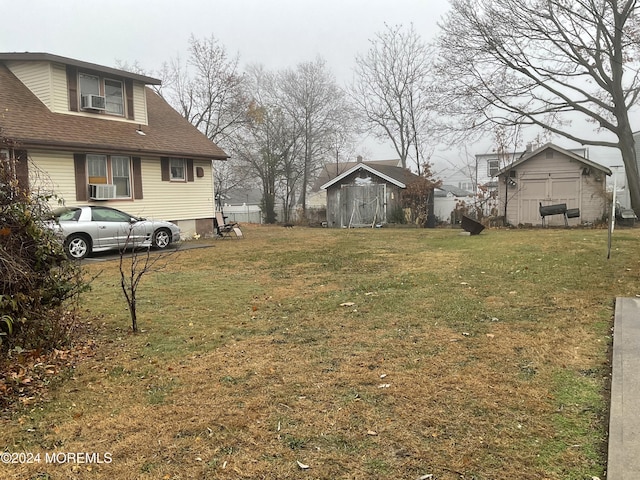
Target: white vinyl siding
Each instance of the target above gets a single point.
(58, 178)
(37, 77)
(59, 89)
(162, 200)
(140, 104)
(176, 200)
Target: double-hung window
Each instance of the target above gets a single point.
(492, 167)
(89, 84)
(97, 169)
(111, 169)
(111, 90)
(114, 100)
(177, 169)
(121, 175)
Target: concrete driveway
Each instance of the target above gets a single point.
(115, 255)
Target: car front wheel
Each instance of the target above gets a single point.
(161, 238)
(77, 247)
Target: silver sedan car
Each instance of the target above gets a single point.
(96, 228)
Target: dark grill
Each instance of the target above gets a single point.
(558, 209)
(471, 226)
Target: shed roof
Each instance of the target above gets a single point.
(396, 175)
(331, 170)
(568, 153)
(26, 120)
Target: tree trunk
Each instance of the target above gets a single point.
(628, 150)
(134, 314)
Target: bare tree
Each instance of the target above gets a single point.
(135, 263)
(391, 90)
(269, 141)
(208, 90)
(531, 62)
(318, 106)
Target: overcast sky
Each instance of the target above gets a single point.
(275, 33)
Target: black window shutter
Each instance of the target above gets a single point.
(189, 170)
(137, 178)
(80, 168)
(165, 176)
(22, 170)
(72, 83)
(128, 88)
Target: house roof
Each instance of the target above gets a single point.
(397, 175)
(455, 191)
(240, 196)
(568, 153)
(47, 57)
(26, 120)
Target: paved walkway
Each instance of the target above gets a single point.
(624, 419)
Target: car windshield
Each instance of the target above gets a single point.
(66, 214)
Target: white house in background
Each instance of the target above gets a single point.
(242, 205)
(459, 177)
(447, 197)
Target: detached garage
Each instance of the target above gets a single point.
(552, 175)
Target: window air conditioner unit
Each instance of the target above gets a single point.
(101, 191)
(94, 102)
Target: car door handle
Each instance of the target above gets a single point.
(102, 228)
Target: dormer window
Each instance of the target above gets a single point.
(89, 85)
(113, 94)
(93, 88)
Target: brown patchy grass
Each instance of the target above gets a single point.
(463, 357)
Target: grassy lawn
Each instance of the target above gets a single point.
(362, 354)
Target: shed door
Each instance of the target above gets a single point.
(362, 205)
(533, 191)
(550, 190)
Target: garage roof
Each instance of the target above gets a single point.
(568, 153)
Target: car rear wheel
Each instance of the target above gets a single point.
(77, 246)
(161, 238)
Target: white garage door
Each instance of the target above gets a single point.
(549, 190)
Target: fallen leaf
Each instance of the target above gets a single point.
(347, 304)
(372, 433)
(302, 465)
(384, 385)
(490, 335)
